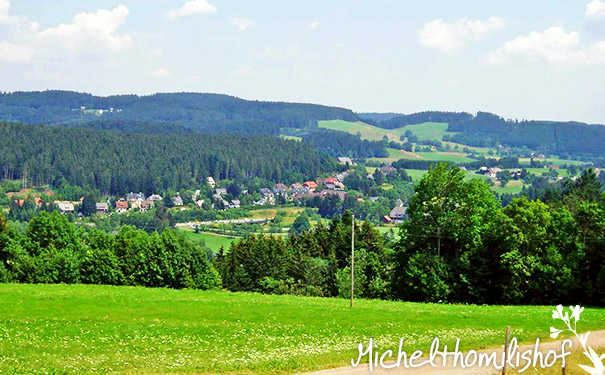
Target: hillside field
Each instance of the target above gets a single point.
(213, 241)
(79, 329)
(394, 155)
(427, 130)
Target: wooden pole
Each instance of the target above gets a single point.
(438, 241)
(563, 370)
(352, 257)
(506, 350)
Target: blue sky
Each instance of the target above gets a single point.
(521, 59)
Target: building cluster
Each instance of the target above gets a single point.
(490, 172)
(387, 170)
(310, 189)
(295, 192)
(136, 201)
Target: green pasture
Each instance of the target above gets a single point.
(85, 329)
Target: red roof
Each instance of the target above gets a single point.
(310, 184)
(121, 204)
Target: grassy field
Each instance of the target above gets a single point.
(212, 240)
(291, 213)
(291, 137)
(389, 227)
(394, 155)
(416, 174)
(454, 157)
(512, 187)
(78, 329)
(554, 161)
(425, 131)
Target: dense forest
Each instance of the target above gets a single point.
(222, 114)
(252, 127)
(571, 138)
(207, 113)
(119, 163)
(337, 143)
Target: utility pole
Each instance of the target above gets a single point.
(438, 240)
(352, 257)
(25, 176)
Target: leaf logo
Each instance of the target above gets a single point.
(560, 314)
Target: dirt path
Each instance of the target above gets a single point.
(409, 153)
(595, 340)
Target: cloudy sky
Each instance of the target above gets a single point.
(539, 59)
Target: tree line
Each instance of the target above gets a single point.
(118, 163)
(206, 113)
(337, 143)
(52, 250)
(571, 138)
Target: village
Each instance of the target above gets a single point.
(216, 195)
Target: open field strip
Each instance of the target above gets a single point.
(213, 241)
(395, 155)
(79, 329)
(553, 161)
(512, 187)
(425, 131)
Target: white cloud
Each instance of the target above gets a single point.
(5, 5)
(242, 24)
(91, 30)
(596, 53)
(313, 25)
(14, 52)
(552, 46)
(92, 35)
(190, 8)
(162, 73)
(6, 18)
(595, 9)
(451, 36)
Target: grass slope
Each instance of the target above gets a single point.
(425, 131)
(78, 329)
(212, 240)
(394, 155)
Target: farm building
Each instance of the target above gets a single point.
(398, 214)
(102, 208)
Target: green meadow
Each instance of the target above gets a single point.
(213, 241)
(79, 329)
(291, 137)
(427, 130)
(511, 187)
(554, 161)
(394, 155)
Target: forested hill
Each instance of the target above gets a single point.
(394, 121)
(207, 113)
(119, 163)
(222, 114)
(571, 138)
(487, 129)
